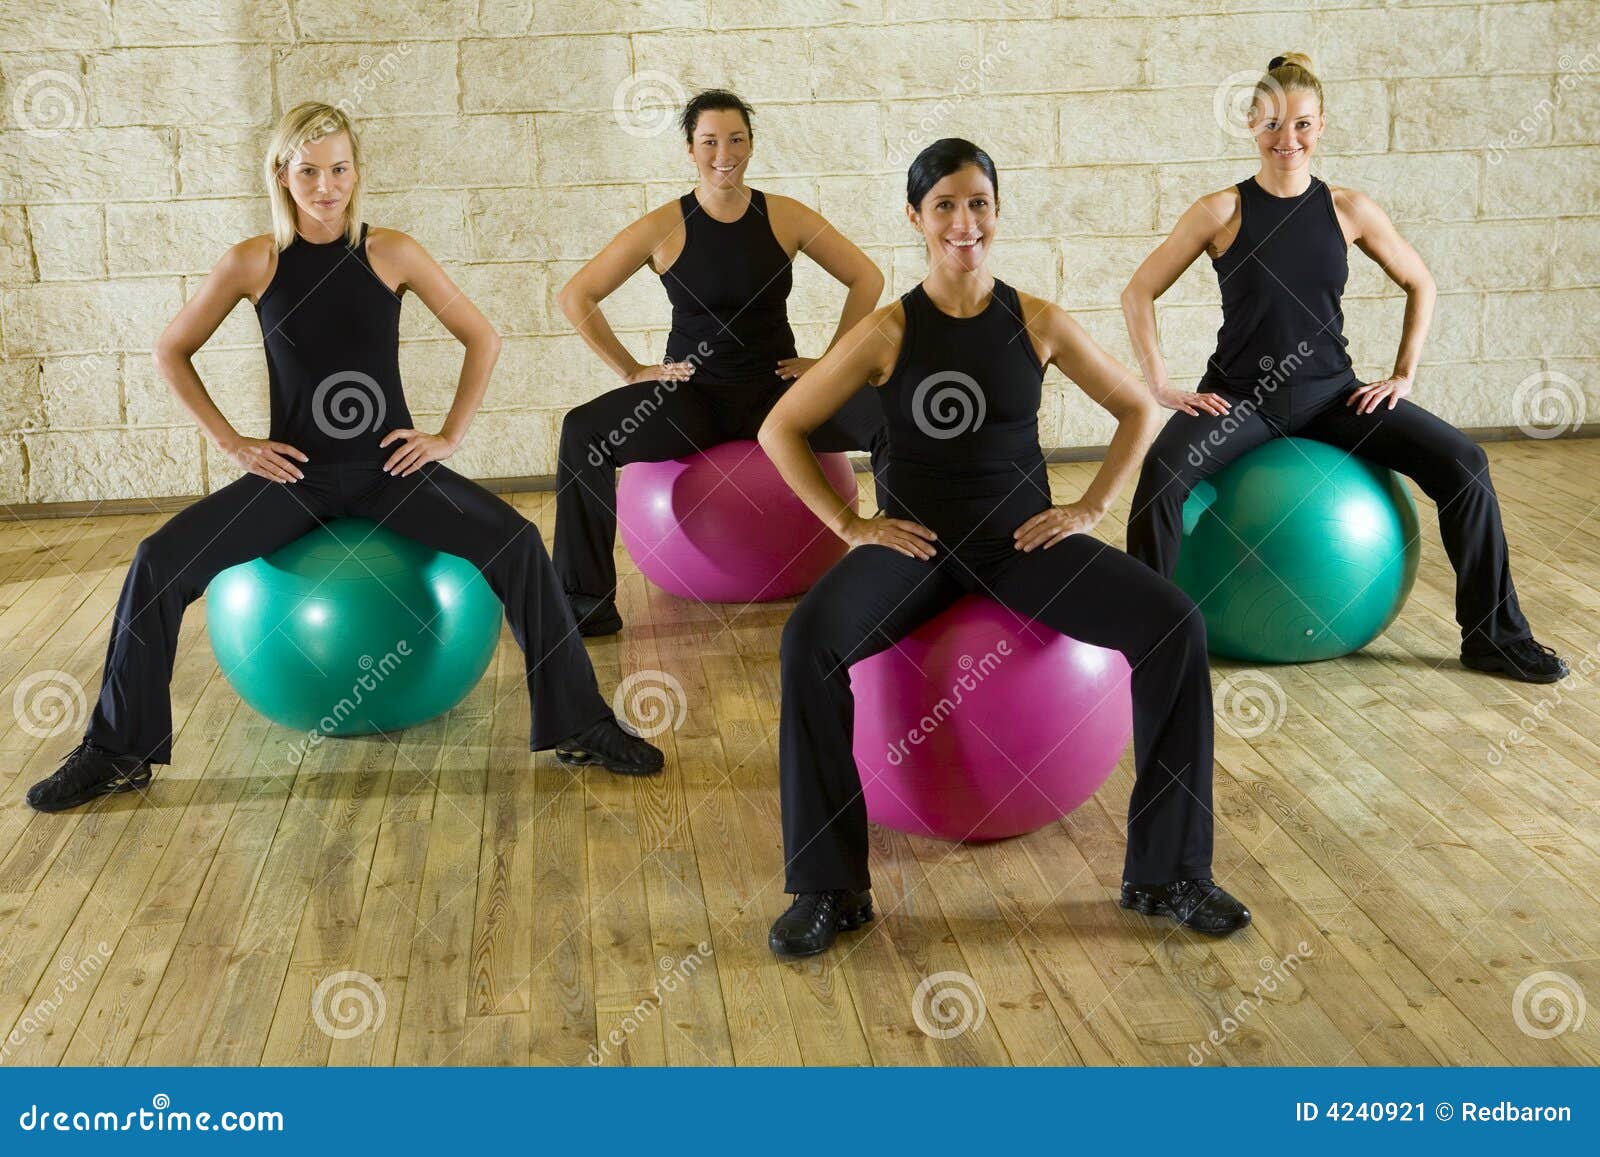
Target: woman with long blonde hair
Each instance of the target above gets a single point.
(1279, 242)
(327, 289)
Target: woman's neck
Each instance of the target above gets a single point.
(959, 292)
(724, 202)
(318, 232)
(1284, 184)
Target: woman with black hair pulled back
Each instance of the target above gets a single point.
(958, 363)
(724, 253)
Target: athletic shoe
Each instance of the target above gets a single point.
(1198, 904)
(614, 748)
(1525, 659)
(815, 920)
(87, 773)
(595, 616)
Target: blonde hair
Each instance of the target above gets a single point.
(1290, 72)
(310, 121)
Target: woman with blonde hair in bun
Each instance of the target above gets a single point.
(1279, 242)
(327, 290)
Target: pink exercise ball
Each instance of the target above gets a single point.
(722, 526)
(982, 724)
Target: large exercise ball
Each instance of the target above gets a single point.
(722, 526)
(1298, 551)
(982, 724)
(352, 629)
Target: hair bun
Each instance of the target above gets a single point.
(1290, 58)
(1275, 62)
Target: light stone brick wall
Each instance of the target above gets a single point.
(130, 134)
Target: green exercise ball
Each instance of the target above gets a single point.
(1298, 551)
(352, 629)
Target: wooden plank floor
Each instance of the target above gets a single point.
(460, 901)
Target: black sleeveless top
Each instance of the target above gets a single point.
(1282, 282)
(332, 333)
(962, 409)
(729, 290)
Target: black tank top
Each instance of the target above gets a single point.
(962, 408)
(1282, 281)
(729, 290)
(332, 332)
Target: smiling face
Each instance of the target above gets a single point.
(721, 147)
(321, 177)
(958, 219)
(1287, 126)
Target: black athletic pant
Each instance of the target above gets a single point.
(1450, 468)
(875, 596)
(657, 421)
(254, 516)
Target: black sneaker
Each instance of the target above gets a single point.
(815, 920)
(612, 746)
(87, 773)
(1197, 904)
(1525, 659)
(596, 616)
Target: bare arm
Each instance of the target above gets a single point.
(417, 271)
(1115, 389)
(1380, 240)
(242, 270)
(1187, 241)
(622, 257)
(866, 354)
(847, 264)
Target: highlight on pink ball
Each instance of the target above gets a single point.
(722, 526)
(982, 724)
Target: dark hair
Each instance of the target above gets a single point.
(936, 162)
(710, 99)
